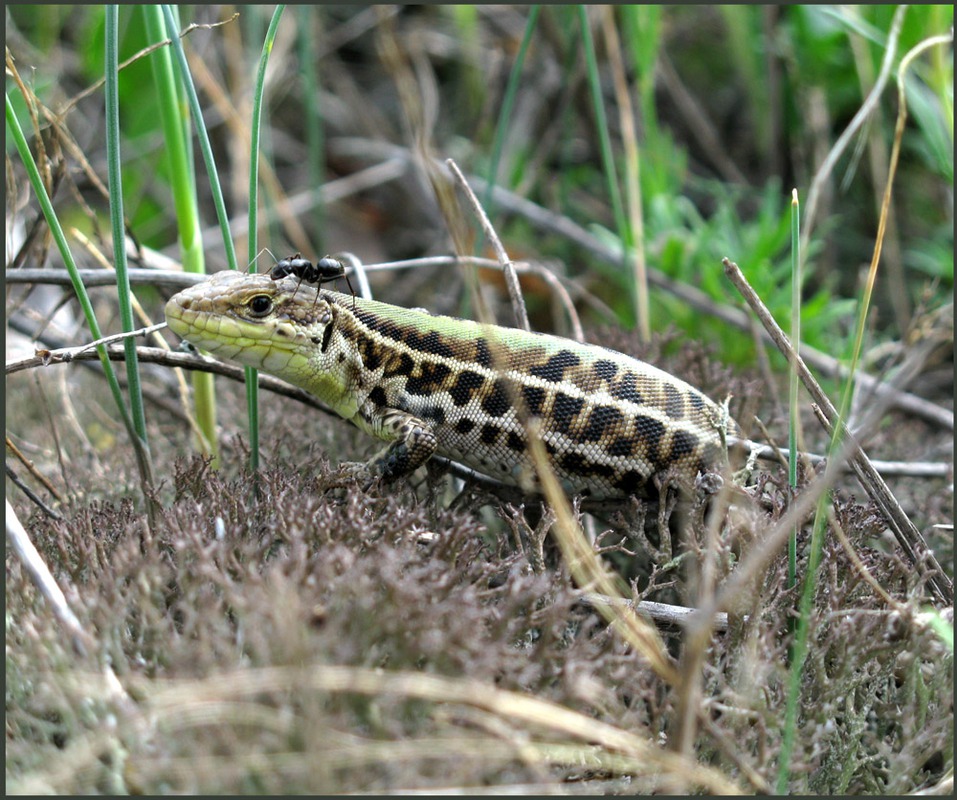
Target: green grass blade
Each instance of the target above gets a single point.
(799, 629)
(642, 35)
(172, 31)
(175, 121)
(795, 418)
(508, 104)
(607, 157)
(252, 380)
(632, 172)
(255, 130)
(176, 130)
(138, 414)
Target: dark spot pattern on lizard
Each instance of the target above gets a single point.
(466, 384)
(427, 378)
(378, 397)
(683, 444)
(490, 433)
(565, 409)
(553, 370)
(602, 420)
(626, 388)
(435, 413)
(651, 431)
(605, 369)
(464, 426)
(534, 397)
(674, 402)
(495, 399)
(515, 441)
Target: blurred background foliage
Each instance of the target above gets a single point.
(733, 106)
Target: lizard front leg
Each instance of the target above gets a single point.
(412, 443)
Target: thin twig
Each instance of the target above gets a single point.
(104, 277)
(911, 469)
(37, 569)
(867, 107)
(69, 353)
(167, 358)
(511, 278)
(31, 468)
(659, 612)
(33, 496)
(82, 642)
(360, 270)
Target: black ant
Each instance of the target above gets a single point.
(326, 269)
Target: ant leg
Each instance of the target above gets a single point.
(264, 250)
(351, 290)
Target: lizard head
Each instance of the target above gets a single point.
(253, 319)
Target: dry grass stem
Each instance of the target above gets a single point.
(508, 268)
(167, 702)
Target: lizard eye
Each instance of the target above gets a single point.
(260, 305)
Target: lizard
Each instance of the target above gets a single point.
(437, 385)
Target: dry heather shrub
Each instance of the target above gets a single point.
(248, 574)
(278, 573)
